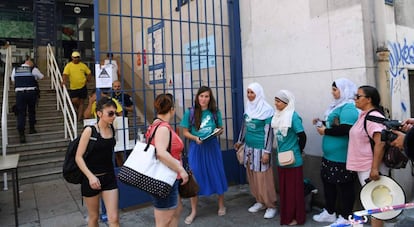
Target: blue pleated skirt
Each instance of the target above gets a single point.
(206, 162)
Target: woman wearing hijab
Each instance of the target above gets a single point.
(338, 120)
(257, 136)
(289, 132)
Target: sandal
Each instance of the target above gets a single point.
(189, 219)
(221, 211)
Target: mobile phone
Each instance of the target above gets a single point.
(319, 123)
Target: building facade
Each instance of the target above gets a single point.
(304, 45)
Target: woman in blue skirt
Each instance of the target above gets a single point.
(205, 158)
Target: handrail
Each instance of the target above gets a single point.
(63, 101)
(5, 107)
(5, 104)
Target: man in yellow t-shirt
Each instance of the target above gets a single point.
(90, 111)
(78, 75)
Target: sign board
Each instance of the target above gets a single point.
(200, 54)
(103, 75)
(156, 65)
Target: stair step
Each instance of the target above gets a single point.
(38, 145)
(45, 162)
(44, 153)
(12, 121)
(15, 137)
(40, 175)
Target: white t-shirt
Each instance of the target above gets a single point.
(114, 69)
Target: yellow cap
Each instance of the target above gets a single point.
(75, 54)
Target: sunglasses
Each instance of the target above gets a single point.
(357, 96)
(111, 113)
(75, 57)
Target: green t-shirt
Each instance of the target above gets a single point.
(290, 141)
(207, 125)
(335, 148)
(255, 132)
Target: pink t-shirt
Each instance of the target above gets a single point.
(360, 154)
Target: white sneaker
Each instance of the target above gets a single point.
(270, 213)
(324, 216)
(256, 207)
(340, 221)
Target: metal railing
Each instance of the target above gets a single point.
(5, 104)
(63, 101)
(5, 107)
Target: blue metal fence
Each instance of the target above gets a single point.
(175, 46)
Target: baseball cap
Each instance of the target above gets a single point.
(75, 54)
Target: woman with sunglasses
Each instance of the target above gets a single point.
(338, 120)
(98, 169)
(167, 210)
(367, 162)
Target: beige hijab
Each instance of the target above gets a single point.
(282, 119)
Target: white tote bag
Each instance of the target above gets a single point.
(143, 170)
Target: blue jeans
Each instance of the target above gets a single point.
(168, 203)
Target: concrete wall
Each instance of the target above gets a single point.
(304, 47)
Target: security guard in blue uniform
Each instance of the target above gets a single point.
(25, 80)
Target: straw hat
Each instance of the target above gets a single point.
(382, 193)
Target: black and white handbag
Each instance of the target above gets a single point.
(143, 170)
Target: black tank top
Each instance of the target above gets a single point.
(100, 159)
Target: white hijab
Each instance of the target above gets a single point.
(282, 119)
(347, 90)
(258, 108)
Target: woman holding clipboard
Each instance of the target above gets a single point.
(204, 156)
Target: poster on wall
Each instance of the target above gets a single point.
(103, 76)
(156, 64)
(200, 54)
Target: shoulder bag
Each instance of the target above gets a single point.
(191, 188)
(286, 158)
(143, 170)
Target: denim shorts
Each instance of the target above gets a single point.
(167, 203)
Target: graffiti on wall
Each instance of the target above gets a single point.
(401, 55)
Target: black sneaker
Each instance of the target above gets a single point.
(32, 131)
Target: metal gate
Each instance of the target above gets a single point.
(175, 46)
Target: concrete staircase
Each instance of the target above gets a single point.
(42, 155)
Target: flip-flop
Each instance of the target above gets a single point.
(189, 219)
(221, 211)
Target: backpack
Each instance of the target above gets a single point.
(71, 171)
(192, 118)
(393, 157)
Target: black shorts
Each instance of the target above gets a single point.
(79, 93)
(108, 182)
